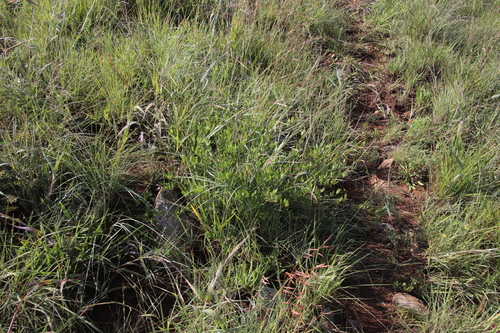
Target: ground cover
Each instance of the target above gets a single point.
(325, 155)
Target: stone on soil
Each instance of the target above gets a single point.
(404, 301)
(172, 223)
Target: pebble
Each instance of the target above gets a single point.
(404, 301)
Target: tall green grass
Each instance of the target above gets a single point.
(448, 53)
(104, 101)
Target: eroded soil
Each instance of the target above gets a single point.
(393, 257)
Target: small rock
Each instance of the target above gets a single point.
(172, 224)
(330, 318)
(377, 183)
(404, 301)
(416, 251)
(386, 163)
(387, 149)
(270, 298)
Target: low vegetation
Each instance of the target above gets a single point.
(250, 112)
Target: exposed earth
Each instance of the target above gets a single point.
(393, 256)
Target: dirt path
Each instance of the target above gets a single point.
(392, 255)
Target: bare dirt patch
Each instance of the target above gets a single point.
(393, 250)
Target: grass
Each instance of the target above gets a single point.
(229, 104)
(449, 56)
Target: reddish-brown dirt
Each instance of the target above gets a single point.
(392, 253)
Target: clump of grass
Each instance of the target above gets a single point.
(444, 55)
(223, 101)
